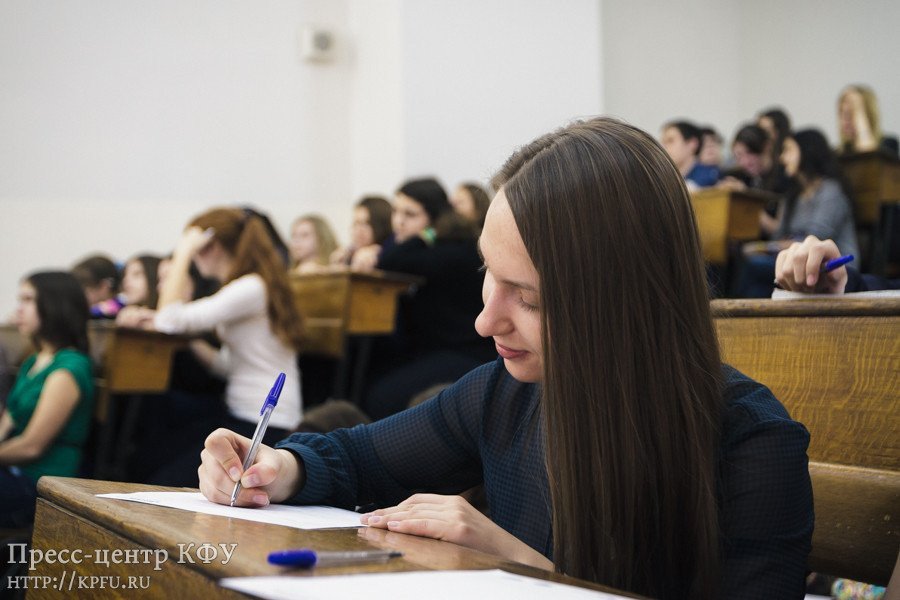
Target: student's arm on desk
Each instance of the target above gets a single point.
(453, 519)
(59, 397)
(275, 476)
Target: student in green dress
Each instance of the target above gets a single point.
(48, 411)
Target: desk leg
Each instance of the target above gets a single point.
(126, 436)
(116, 437)
(106, 437)
(360, 367)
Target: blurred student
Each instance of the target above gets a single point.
(100, 278)
(434, 339)
(859, 122)
(253, 314)
(818, 207)
(48, 412)
(139, 281)
(683, 142)
(311, 244)
(711, 148)
(798, 269)
(370, 233)
(777, 125)
(471, 201)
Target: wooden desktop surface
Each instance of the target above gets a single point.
(340, 303)
(726, 216)
(70, 516)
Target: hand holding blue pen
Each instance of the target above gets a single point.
(264, 413)
(813, 265)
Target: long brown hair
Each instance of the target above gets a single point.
(245, 238)
(632, 378)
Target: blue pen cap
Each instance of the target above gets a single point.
(274, 394)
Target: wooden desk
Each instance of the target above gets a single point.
(128, 360)
(341, 303)
(70, 517)
(874, 178)
(834, 364)
(726, 216)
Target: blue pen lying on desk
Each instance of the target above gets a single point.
(306, 558)
(264, 413)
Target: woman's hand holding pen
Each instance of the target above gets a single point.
(798, 268)
(274, 477)
(453, 519)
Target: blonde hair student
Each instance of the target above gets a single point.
(612, 443)
(311, 244)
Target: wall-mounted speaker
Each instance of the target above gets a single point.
(317, 44)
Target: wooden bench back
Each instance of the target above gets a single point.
(835, 365)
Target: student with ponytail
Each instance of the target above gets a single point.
(612, 443)
(253, 315)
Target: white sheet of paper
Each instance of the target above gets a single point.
(434, 585)
(301, 517)
(779, 294)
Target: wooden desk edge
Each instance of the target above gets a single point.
(806, 307)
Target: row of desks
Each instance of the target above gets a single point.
(726, 217)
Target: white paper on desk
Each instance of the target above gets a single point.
(301, 517)
(779, 294)
(434, 585)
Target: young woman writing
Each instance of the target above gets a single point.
(612, 443)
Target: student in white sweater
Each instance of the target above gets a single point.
(253, 315)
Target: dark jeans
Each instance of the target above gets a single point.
(18, 494)
(757, 277)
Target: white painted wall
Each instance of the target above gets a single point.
(482, 77)
(121, 120)
(668, 60)
(801, 53)
(722, 61)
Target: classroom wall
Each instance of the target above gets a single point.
(482, 77)
(801, 53)
(670, 60)
(119, 121)
(721, 61)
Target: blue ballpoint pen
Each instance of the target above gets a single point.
(306, 558)
(264, 413)
(834, 263)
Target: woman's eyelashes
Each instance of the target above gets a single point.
(527, 306)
